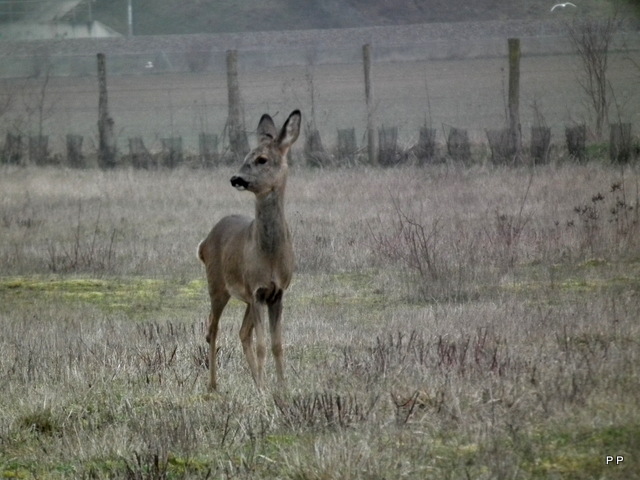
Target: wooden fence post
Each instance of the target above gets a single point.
(368, 90)
(107, 140)
(13, 149)
(238, 142)
(515, 133)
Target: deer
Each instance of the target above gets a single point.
(251, 259)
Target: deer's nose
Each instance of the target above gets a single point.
(239, 182)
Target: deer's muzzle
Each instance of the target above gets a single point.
(239, 183)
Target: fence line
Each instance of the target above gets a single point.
(195, 57)
(411, 90)
(621, 148)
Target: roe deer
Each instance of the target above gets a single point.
(252, 259)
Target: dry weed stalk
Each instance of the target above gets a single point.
(325, 409)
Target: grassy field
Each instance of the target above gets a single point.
(443, 323)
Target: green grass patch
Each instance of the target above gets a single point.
(138, 297)
(582, 278)
(581, 453)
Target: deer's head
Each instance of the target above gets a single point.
(265, 167)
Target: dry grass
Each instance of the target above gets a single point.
(516, 356)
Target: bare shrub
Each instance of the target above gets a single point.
(503, 149)
(139, 155)
(90, 248)
(591, 38)
(208, 149)
(576, 137)
(481, 353)
(458, 145)
(608, 222)
(508, 231)
(324, 410)
(417, 401)
(39, 150)
(620, 142)
(314, 151)
(426, 149)
(389, 154)
(540, 136)
(347, 147)
(172, 152)
(436, 263)
(75, 157)
(149, 465)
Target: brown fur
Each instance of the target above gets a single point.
(252, 259)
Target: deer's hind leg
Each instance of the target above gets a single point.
(218, 302)
(275, 328)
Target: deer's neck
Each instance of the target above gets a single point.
(271, 232)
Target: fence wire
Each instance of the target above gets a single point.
(167, 92)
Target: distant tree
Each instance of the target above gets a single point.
(592, 38)
(37, 104)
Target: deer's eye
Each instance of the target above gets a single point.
(261, 160)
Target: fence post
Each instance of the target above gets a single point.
(107, 141)
(238, 143)
(13, 149)
(515, 132)
(368, 90)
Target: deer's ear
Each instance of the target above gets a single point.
(266, 128)
(290, 131)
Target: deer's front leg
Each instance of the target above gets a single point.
(275, 327)
(261, 349)
(253, 320)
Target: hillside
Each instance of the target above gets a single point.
(153, 17)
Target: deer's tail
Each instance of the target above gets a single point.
(201, 251)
